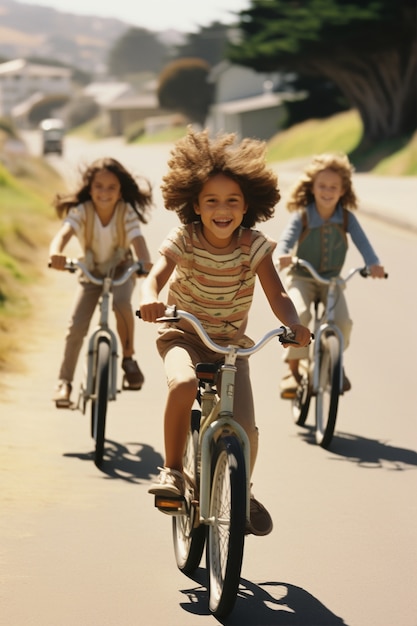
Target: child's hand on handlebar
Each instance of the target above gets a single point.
(57, 261)
(150, 311)
(302, 336)
(284, 261)
(377, 271)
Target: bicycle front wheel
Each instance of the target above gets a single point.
(99, 403)
(301, 402)
(188, 534)
(327, 399)
(226, 531)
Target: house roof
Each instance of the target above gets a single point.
(142, 101)
(106, 92)
(256, 103)
(18, 66)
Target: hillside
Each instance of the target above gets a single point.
(80, 41)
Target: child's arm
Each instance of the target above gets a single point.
(141, 250)
(364, 246)
(150, 307)
(58, 243)
(280, 302)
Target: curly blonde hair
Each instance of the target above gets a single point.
(196, 158)
(302, 195)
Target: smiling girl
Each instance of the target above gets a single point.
(105, 214)
(321, 201)
(219, 190)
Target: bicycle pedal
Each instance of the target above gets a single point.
(170, 504)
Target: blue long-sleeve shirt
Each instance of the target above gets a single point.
(294, 229)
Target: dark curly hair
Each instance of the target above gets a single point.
(140, 198)
(301, 194)
(196, 158)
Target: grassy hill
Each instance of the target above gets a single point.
(342, 133)
(26, 220)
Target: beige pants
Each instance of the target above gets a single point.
(303, 292)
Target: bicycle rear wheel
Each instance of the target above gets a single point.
(99, 402)
(188, 535)
(327, 399)
(226, 532)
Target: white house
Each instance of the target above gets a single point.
(246, 102)
(21, 79)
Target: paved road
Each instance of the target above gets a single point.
(84, 547)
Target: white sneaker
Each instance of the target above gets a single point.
(170, 482)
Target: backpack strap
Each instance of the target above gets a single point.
(89, 223)
(120, 224)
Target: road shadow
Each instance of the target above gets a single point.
(131, 462)
(368, 453)
(269, 603)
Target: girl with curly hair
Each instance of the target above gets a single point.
(321, 201)
(105, 214)
(219, 189)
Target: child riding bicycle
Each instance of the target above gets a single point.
(219, 190)
(321, 201)
(104, 213)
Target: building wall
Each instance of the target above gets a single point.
(19, 80)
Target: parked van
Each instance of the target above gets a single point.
(52, 130)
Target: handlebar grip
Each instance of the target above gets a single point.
(364, 272)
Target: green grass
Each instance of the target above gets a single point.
(342, 133)
(25, 223)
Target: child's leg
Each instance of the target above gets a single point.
(182, 389)
(342, 318)
(85, 303)
(243, 407)
(122, 298)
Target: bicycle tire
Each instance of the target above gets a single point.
(327, 399)
(226, 532)
(99, 404)
(188, 536)
(301, 403)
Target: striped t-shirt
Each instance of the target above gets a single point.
(216, 288)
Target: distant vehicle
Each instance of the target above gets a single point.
(52, 130)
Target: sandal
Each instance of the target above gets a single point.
(133, 378)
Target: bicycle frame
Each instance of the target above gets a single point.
(325, 324)
(102, 329)
(220, 418)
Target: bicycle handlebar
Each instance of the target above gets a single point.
(71, 265)
(363, 271)
(172, 314)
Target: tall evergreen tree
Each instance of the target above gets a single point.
(367, 49)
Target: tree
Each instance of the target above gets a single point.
(138, 50)
(183, 87)
(210, 44)
(367, 49)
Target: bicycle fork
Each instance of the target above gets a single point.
(320, 335)
(219, 422)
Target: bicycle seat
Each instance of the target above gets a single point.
(207, 372)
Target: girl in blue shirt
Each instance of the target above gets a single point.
(321, 202)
